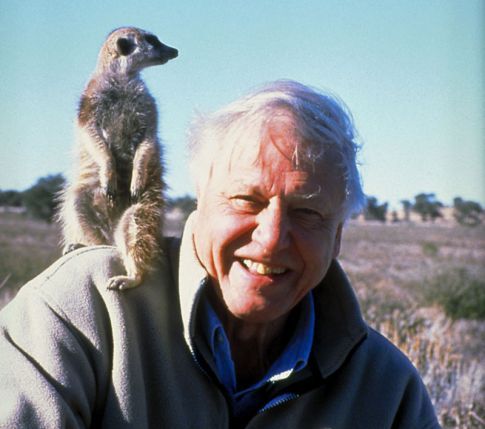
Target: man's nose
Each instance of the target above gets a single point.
(272, 230)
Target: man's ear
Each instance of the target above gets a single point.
(338, 240)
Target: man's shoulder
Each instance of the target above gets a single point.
(76, 284)
(83, 268)
(384, 359)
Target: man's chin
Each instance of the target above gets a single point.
(255, 311)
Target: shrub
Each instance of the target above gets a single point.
(467, 213)
(40, 199)
(429, 248)
(427, 206)
(10, 198)
(461, 295)
(374, 210)
(186, 204)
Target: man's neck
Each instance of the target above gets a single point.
(254, 346)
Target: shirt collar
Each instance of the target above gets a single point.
(297, 352)
(293, 358)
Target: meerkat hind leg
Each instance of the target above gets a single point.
(136, 240)
(70, 247)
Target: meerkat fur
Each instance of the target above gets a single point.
(116, 195)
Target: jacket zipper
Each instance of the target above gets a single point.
(289, 397)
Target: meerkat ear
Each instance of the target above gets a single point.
(125, 46)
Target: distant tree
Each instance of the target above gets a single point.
(406, 205)
(467, 212)
(186, 204)
(374, 210)
(427, 206)
(39, 200)
(11, 198)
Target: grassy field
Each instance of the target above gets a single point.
(421, 286)
(26, 248)
(424, 288)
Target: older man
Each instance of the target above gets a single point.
(250, 322)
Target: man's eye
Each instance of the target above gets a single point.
(245, 203)
(307, 215)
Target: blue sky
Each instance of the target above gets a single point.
(411, 72)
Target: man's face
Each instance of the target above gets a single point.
(265, 232)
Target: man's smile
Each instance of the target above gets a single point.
(262, 269)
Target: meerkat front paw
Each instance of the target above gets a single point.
(109, 190)
(108, 184)
(123, 282)
(136, 189)
(135, 195)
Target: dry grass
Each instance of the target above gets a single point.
(26, 248)
(391, 267)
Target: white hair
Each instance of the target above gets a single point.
(321, 122)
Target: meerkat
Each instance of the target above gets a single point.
(116, 194)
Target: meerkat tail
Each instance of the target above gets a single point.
(83, 221)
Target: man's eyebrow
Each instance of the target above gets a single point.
(317, 193)
(319, 198)
(241, 187)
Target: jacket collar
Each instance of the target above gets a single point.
(192, 277)
(339, 325)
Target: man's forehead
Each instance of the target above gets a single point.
(295, 183)
(253, 159)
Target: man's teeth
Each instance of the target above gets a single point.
(263, 269)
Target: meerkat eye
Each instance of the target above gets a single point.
(152, 40)
(125, 46)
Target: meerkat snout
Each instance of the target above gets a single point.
(163, 52)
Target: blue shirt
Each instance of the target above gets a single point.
(293, 358)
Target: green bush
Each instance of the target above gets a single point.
(461, 295)
(40, 199)
(374, 210)
(429, 248)
(467, 213)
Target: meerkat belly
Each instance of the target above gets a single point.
(124, 169)
(125, 115)
(123, 121)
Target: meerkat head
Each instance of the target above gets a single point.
(128, 50)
